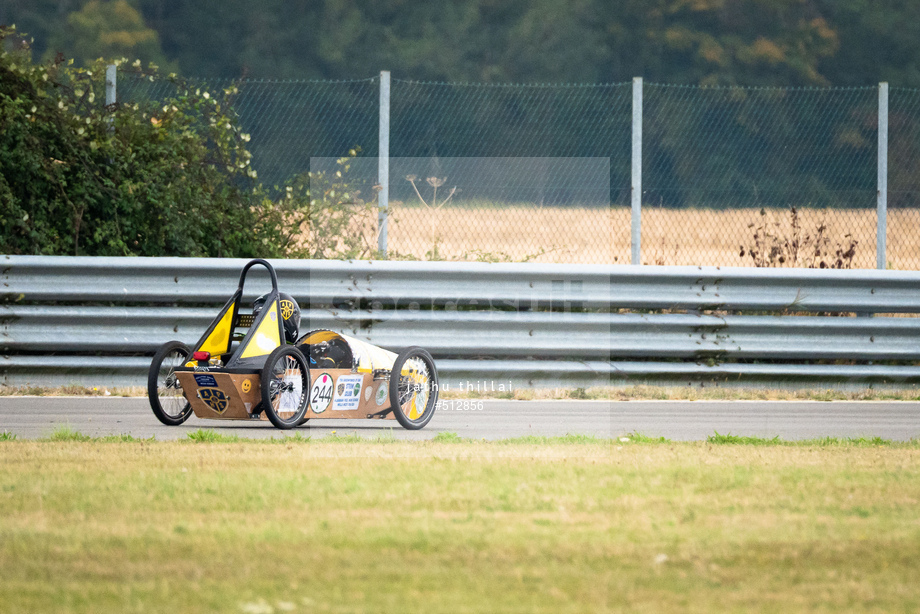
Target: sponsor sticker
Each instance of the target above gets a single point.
(264, 342)
(368, 392)
(321, 393)
(206, 380)
(214, 398)
(348, 388)
(382, 394)
(287, 309)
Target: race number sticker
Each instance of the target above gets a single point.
(321, 393)
(348, 389)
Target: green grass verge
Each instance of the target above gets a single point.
(822, 441)
(555, 525)
(212, 436)
(65, 433)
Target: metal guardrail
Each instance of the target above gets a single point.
(86, 320)
(505, 285)
(587, 336)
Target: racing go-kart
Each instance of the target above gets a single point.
(253, 365)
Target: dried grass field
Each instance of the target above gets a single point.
(456, 526)
(669, 236)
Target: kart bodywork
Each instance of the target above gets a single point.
(244, 368)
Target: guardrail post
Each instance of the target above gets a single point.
(882, 204)
(636, 191)
(383, 163)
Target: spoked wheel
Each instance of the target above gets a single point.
(286, 387)
(167, 401)
(414, 388)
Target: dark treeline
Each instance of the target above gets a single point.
(699, 42)
(710, 147)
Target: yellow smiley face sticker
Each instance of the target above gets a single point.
(247, 385)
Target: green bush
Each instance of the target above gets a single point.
(170, 178)
(335, 220)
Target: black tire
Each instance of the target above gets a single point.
(419, 383)
(285, 370)
(167, 400)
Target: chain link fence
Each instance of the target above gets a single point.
(289, 122)
(731, 176)
(903, 238)
(541, 171)
(770, 176)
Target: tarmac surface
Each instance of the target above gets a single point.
(34, 417)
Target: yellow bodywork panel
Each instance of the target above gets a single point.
(218, 341)
(321, 335)
(266, 337)
(369, 357)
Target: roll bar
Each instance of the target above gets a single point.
(266, 264)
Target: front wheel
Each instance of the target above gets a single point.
(286, 387)
(413, 388)
(167, 400)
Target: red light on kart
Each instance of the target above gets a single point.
(202, 356)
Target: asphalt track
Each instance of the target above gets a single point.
(34, 417)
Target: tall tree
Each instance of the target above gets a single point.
(746, 42)
(709, 42)
(880, 41)
(107, 29)
(38, 18)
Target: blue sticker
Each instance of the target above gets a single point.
(206, 380)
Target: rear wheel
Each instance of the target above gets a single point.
(167, 400)
(285, 387)
(414, 388)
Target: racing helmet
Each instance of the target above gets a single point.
(290, 314)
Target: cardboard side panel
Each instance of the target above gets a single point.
(221, 396)
(334, 394)
(339, 393)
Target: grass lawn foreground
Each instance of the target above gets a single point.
(564, 525)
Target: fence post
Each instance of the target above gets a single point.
(636, 191)
(881, 232)
(383, 164)
(110, 93)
